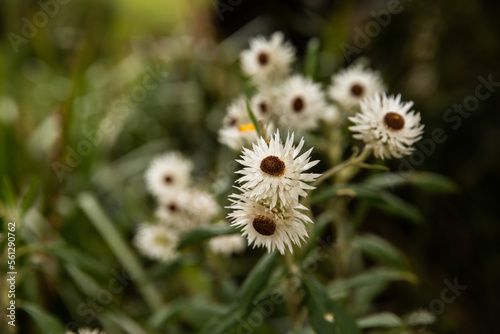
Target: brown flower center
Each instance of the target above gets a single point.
(394, 121)
(272, 165)
(298, 104)
(263, 58)
(263, 107)
(168, 179)
(264, 225)
(172, 207)
(357, 90)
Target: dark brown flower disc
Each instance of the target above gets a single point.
(168, 179)
(263, 107)
(272, 165)
(264, 225)
(394, 121)
(357, 90)
(172, 207)
(263, 58)
(298, 104)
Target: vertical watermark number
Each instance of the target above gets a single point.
(11, 274)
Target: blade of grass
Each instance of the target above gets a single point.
(120, 248)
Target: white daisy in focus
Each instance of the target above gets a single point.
(273, 171)
(227, 244)
(301, 103)
(276, 228)
(168, 172)
(353, 84)
(157, 242)
(186, 209)
(267, 61)
(387, 126)
(238, 130)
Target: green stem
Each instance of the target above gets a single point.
(355, 159)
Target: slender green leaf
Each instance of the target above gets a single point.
(253, 118)
(119, 247)
(327, 316)
(125, 322)
(44, 320)
(425, 180)
(201, 234)
(381, 250)
(30, 195)
(377, 320)
(381, 199)
(8, 191)
(223, 322)
(420, 317)
(256, 281)
(374, 276)
(69, 255)
(311, 57)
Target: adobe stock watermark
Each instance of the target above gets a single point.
(120, 108)
(266, 307)
(223, 6)
(438, 305)
(454, 117)
(30, 28)
(95, 304)
(363, 37)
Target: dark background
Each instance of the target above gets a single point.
(433, 53)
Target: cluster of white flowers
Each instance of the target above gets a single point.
(268, 209)
(181, 207)
(296, 103)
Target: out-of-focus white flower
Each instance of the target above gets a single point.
(301, 103)
(186, 209)
(353, 84)
(331, 115)
(157, 242)
(238, 130)
(167, 173)
(276, 228)
(267, 61)
(387, 126)
(227, 244)
(264, 104)
(274, 172)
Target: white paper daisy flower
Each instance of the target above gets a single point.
(276, 228)
(157, 242)
(387, 126)
(227, 244)
(353, 84)
(186, 209)
(238, 130)
(267, 61)
(168, 172)
(274, 172)
(264, 104)
(301, 104)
